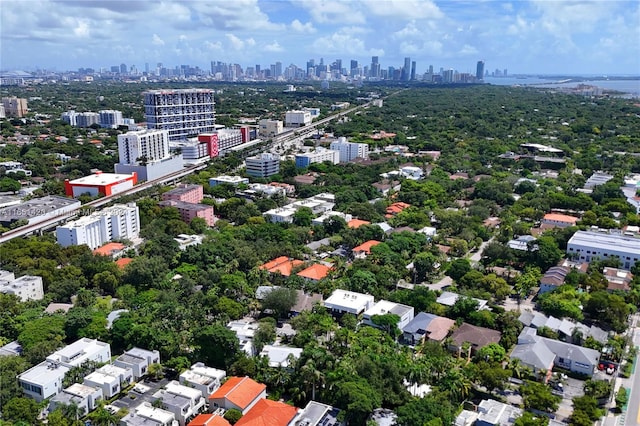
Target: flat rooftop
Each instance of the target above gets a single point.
(80, 390)
(101, 179)
(348, 298)
(36, 207)
(45, 372)
(182, 190)
(606, 241)
(387, 307)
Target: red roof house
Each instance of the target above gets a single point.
(269, 413)
(315, 272)
(282, 265)
(241, 393)
(209, 420)
(364, 249)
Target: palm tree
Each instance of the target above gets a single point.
(311, 375)
(456, 383)
(156, 371)
(103, 417)
(72, 411)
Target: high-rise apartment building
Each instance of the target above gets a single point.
(183, 112)
(110, 118)
(413, 70)
(14, 107)
(480, 70)
(143, 146)
(349, 151)
(406, 70)
(375, 67)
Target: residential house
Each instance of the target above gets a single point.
(110, 379)
(343, 301)
(280, 356)
(85, 397)
(146, 414)
(315, 273)
(496, 413)
(536, 352)
(317, 414)
(364, 249)
(244, 330)
(111, 249)
(138, 360)
(553, 278)
(618, 279)
(558, 220)
(210, 419)
(241, 393)
(523, 243)
(282, 265)
(475, 337)
(305, 302)
(205, 379)
(268, 413)
(448, 298)
(426, 326)
(45, 379)
(396, 208)
(357, 223)
(183, 401)
(384, 307)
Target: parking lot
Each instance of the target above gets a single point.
(135, 398)
(572, 388)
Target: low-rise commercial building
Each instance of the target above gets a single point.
(586, 246)
(263, 165)
(297, 118)
(270, 128)
(320, 155)
(100, 184)
(231, 180)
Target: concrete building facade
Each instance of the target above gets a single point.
(182, 112)
(263, 165)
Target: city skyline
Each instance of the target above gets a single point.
(544, 37)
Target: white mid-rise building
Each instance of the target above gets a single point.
(349, 151)
(26, 287)
(297, 118)
(586, 246)
(113, 223)
(143, 146)
(320, 155)
(45, 379)
(183, 113)
(110, 118)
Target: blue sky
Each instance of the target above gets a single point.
(538, 36)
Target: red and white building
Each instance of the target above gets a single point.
(100, 183)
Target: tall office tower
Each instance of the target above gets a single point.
(413, 70)
(278, 70)
(504, 73)
(146, 67)
(406, 70)
(480, 70)
(354, 64)
(431, 69)
(123, 68)
(375, 67)
(311, 65)
(183, 112)
(258, 70)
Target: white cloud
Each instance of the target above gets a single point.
(235, 41)
(273, 47)
(299, 27)
(334, 12)
(157, 41)
(211, 45)
(406, 9)
(409, 31)
(468, 50)
(82, 29)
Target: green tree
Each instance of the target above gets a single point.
(280, 301)
(539, 397)
(528, 419)
(388, 323)
(232, 415)
(423, 411)
(217, 346)
(458, 268)
(303, 216)
(358, 398)
(21, 409)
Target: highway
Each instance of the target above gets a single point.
(283, 138)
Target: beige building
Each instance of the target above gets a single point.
(15, 107)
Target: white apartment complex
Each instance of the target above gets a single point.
(117, 222)
(183, 113)
(26, 287)
(349, 151)
(205, 379)
(138, 361)
(586, 246)
(110, 118)
(320, 155)
(318, 204)
(45, 379)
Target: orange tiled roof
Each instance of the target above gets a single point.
(268, 413)
(315, 272)
(366, 246)
(209, 420)
(109, 248)
(560, 218)
(123, 261)
(240, 391)
(357, 223)
(396, 208)
(282, 265)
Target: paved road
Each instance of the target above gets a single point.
(632, 417)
